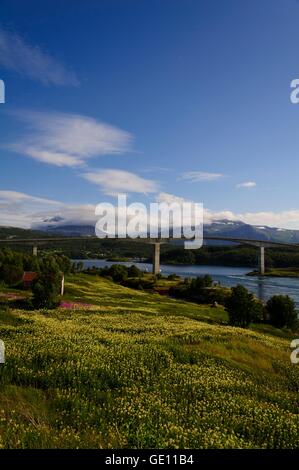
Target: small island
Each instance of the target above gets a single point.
(277, 272)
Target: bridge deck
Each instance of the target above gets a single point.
(243, 241)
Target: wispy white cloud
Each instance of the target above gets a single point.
(247, 184)
(68, 139)
(47, 156)
(31, 62)
(18, 197)
(112, 182)
(199, 176)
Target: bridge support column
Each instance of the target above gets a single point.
(156, 258)
(262, 260)
(34, 250)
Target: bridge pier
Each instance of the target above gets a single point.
(156, 258)
(262, 260)
(34, 250)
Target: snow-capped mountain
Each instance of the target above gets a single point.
(221, 228)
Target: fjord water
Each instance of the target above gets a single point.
(263, 288)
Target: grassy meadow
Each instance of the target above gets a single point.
(121, 368)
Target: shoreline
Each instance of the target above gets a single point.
(290, 273)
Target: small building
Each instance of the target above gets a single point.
(28, 278)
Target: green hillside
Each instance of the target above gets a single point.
(14, 232)
(123, 368)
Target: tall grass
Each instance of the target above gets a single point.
(138, 370)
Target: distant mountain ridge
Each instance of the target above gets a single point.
(220, 228)
(227, 228)
(10, 233)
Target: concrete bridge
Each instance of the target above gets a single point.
(156, 242)
(260, 244)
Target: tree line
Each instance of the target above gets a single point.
(49, 269)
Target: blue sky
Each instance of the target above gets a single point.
(156, 98)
